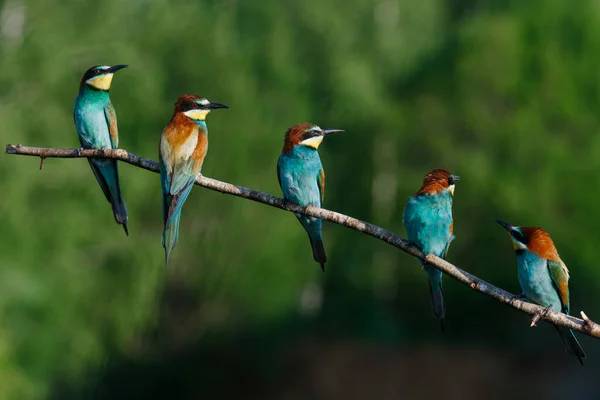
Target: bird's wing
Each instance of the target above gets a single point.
(165, 159)
(165, 181)
(278, 174)
(182, 180)
(413, 224)
(184, 173)
(450, 239)
(177, 180)
(111, 121)
(289, 185)
(560, 277)
(321, 183)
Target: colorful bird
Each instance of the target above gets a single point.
(302, 178)
(96, 123)
(429, 226)
(543, 276)
(183, 146)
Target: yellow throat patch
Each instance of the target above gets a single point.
(313, 142)
(198, 115)
(101, 82)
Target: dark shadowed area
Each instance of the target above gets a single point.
(505, 94)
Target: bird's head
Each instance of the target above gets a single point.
(100, 77)
(438, 181)
(195, 107)
(533, 239)
(305, 134)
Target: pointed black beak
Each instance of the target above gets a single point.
(506, 225)
(326, 132)
(455, 178)
(117, 67)
(212, 106)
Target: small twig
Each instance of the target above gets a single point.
(589, 324)
(584, 326)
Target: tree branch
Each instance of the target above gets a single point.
(585, 325)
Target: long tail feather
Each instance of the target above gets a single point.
(318, 252)
(313, 229)
(172, 206)
(107, 175)
(572, 346)
(120, 212)
(437, 297)
(170, 236)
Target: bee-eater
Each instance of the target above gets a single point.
(429, 226)
(543, 276)
(96, 123)
(183, 146)
(302, 178)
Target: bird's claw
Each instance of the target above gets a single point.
(539, 315)
(519, 297)
(286, 203)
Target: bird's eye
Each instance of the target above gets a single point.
(96, 72)
(518, 236)
(450, 181)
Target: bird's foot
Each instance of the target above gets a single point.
(104, 149)
(286, 203)
(520, 297)
(539, 315)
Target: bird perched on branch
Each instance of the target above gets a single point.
(96, 124)
(302, 178)
(429, 225)
(543, 276)
(183, 146)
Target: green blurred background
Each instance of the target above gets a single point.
(503, 93)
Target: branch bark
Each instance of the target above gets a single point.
(585, 326)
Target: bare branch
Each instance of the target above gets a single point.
(585, 326)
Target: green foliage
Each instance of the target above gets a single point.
(506, 96)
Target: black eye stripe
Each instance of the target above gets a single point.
(518, 236)
(451, 181)
(191, 106)
(92, 73)
(311, 133)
